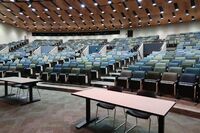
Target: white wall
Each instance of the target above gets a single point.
(164, 30)
(9, 33)
(66, 38)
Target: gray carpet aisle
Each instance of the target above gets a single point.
(58, 112)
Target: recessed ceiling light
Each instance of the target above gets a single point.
(70, 7)
(180, 20)
(193, 18)
(16, 16)
(114, 10)
(161, 9)
(102, 19)
(91, 13)
(102, 12)
(64, 22)
(187, 13)
(58, 8)
(82, 5)
(130, 26)
(73, 21)
(8, 10)
(92, 20)
(33, 9)
(192, 3)
(109, 2)
(81, 14)
(124, 17)
(139, 0)
(83, 21)
(4, 16)
(169, 1)
(34, 22)
(153, 3)
(126, 8)
(27, 16)
(29, 6)
(59, 15)
(48, 16)
(45, 22)
(54, 22)
(96, 4)
(46, 10)
(70, 15)
(38, 16)
(130, 22)
(113, 18)
(176, 7)
(3, 21)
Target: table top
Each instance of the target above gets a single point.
(19, 80)
(153, 106)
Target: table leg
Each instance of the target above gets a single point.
(88, 119)
(161, 124)
(6, 90)
(31, 100)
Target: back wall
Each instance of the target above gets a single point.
(10, 33)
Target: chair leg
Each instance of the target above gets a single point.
(38, 92)
(114, 117)
(11, 89)
(149, 124)
(96, 115)
(125, 123)
(136, 121)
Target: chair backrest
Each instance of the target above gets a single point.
(138, 74)
(146, 93)
(126, 73)
(115, 88)
(160, 69)
(169, 76)
(187, 77)
(192, 70)
(75, 70)
(152, 75)
(146, 68)
(134, 68)
(176, 69)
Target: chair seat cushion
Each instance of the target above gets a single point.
(136, 79)
(73, 74)
(186, 84)
(151, 80)
(106, 105)
(167, 82)
(16, 85)
(25, 87)
(138, 114)
(123, 78)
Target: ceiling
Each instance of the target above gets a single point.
(95, 15)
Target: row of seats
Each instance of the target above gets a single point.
(168, 83)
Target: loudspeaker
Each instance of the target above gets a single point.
(130, 33)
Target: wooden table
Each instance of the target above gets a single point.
(19, 80)
(153, 106)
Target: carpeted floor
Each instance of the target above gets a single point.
(58, 112)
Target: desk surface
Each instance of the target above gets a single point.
(151, 105)
(19, 80)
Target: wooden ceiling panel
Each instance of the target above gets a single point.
(54, 16)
